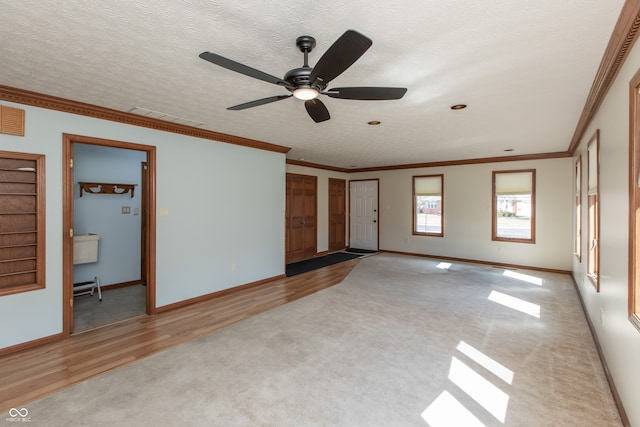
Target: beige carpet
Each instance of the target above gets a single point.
(403, 341)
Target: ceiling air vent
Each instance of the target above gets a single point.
(164, 116)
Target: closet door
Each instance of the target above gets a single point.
(301, 221)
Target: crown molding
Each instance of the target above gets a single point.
(317, 166)
(622, 39)
(539, 156)
(25, 97)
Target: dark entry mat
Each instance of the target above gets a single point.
(319, 262)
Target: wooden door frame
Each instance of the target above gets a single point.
(67, 207)
(144, 205)
(377, 181)
(344, 210)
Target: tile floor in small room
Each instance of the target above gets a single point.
(117, 304)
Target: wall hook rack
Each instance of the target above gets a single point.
(106, 188)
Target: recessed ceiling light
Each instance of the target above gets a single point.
(374, 122)
(459, 106)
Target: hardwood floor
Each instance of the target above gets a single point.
(37, 372)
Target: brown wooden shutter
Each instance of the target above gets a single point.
(21, 222)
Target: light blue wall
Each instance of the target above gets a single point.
(119, 244)
(225, 206)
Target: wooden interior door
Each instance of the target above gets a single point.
(337, 214)
(301, 218)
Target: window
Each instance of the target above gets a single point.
(428, 205)
(513, 205)
(577, 246)
(593, 212)
(22, 249)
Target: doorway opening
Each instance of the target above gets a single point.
(97, 205)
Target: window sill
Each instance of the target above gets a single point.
(635, 320)
(428, 234)
(594, 281)
(18, 289)
(506, 239)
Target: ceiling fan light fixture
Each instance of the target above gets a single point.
(308, 83)
(305, 93)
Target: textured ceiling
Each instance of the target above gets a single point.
(524, 67)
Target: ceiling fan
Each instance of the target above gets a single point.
(308, 83)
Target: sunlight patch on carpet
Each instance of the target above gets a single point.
(515, 303)
(447, 411)
(486, 362)
(444, 265)
(524, 277)
(490, 397)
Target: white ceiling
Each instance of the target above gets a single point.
(524, 67)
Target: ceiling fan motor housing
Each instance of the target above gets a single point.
(300, 78)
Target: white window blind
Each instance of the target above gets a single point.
(514, 183)
(428, 186)
(592, 152)
(578, 176)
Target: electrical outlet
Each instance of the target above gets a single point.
(233, 267)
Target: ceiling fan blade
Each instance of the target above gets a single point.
(317, 110)
(258, 102)
(367, 93)
(243, 69)
(340, 56)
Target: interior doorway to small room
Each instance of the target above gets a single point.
(363, 214)
(109, 222)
